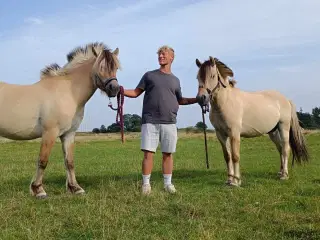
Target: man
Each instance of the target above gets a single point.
(160, 107)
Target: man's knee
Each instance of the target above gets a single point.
(148, 155)
(166, 156)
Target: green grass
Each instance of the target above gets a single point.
(204, 208)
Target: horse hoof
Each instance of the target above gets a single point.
(279, 174)
(228, 182)
(232, 184)
(80, 192)
(75, 189)
(284, 177)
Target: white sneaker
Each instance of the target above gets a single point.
(170, 188)
(146, 189)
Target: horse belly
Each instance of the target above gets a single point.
(19, 121)
(259, 122)
(19, 130)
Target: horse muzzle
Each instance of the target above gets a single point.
(203, 99)
(111, 87)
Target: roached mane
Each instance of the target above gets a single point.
(79, 55)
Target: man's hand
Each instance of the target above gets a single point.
(203, 100)
(133, 93)
(187, 101)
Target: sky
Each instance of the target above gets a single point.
(271, 44)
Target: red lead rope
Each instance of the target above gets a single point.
(119, 118)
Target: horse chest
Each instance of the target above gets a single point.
(219, 122)
(72, 123)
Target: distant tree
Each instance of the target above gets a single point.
(103, 129)
(306, 120)
(200, 125)
(316, 117)
(114, 127)
(96, 130)
(132, 122)
(136, 123)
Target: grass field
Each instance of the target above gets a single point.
(204, 208)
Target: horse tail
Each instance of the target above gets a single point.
(296, 139)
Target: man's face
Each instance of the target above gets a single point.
(165, 58)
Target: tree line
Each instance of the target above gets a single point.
(310, 120)
(132, 123)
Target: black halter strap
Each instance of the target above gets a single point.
(109, 80)
(215, 88)
(103, 83)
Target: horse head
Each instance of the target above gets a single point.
(104, 71)
(212, 75)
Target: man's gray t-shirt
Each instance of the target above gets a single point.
(162, 93)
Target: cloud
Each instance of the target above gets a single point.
(33, 20)
(266, 43)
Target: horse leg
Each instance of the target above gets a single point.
(47, 142)
(284, 134)
(276, 139)
(225, 144)
(67, 141)
(235, 151)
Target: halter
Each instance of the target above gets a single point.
(104, 82)
(215, 88)
(108, 80)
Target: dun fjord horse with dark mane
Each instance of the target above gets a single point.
(54, 106)
(235, 113)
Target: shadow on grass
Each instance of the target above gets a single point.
(305, 234)
(251, 175)
(316, 181)
(180, 175)
(194, 178)
(308, 192)
(203, 177)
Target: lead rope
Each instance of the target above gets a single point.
(205, 109)
(119, 117)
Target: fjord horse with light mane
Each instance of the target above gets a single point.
(235, 113)
(54, 106)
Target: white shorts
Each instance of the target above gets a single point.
(152, 134)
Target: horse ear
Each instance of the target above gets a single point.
(198, 63)
(116, 51)
(94, 52)
(211, 60)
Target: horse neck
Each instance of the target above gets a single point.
(220, 98)
(83, 86)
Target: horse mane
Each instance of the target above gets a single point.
(81, 53)
(78, 56)
(223, 69)
(51, 70)
(232, 83)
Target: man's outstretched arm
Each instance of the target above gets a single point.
(187, 101)
(133, 93)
